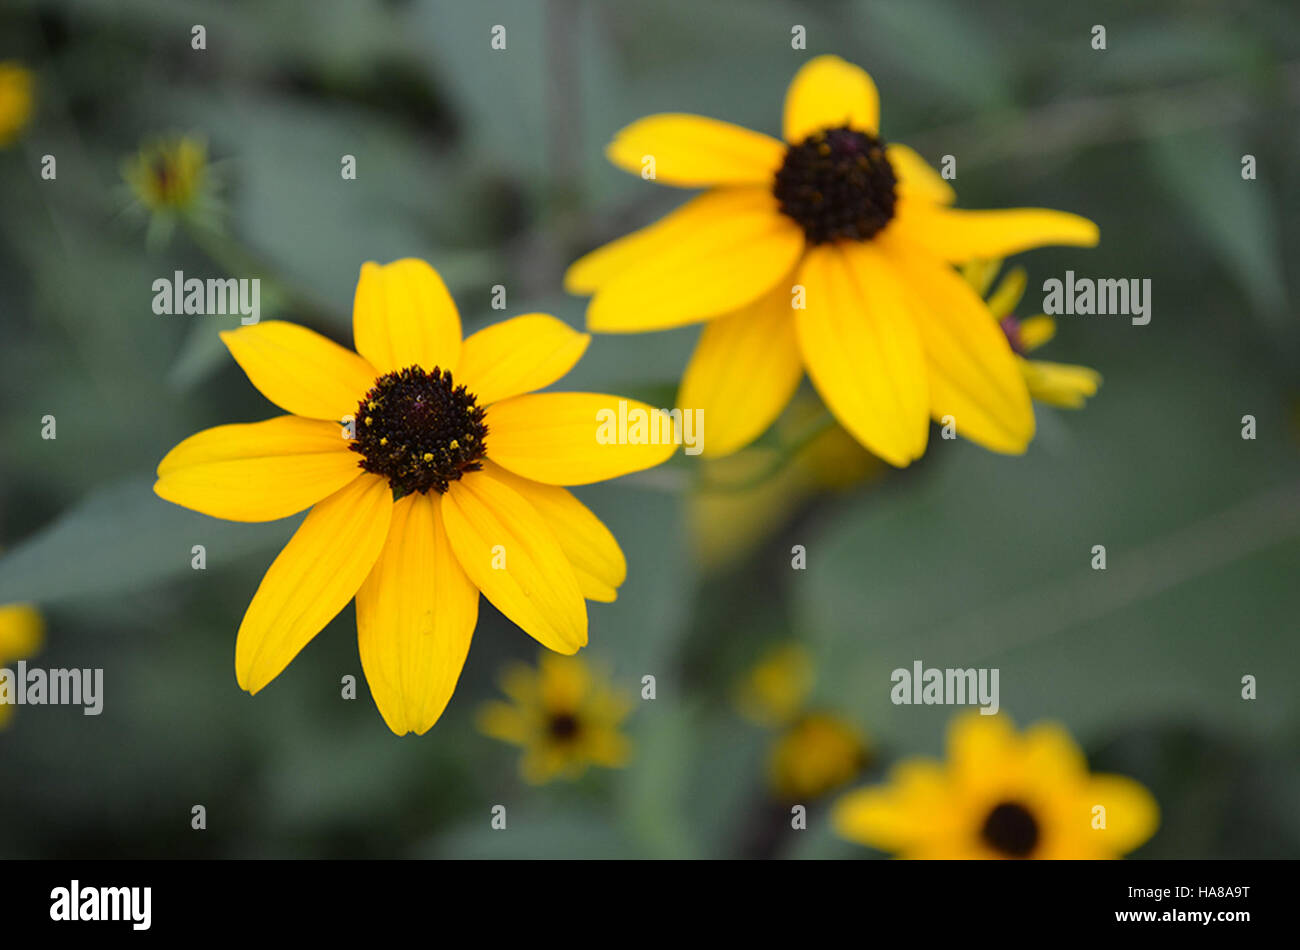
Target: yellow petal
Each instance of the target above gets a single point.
(260, 471)
(519, 355)
(313, 578)
(505, 722)
(603, 264)
(1051, 757)
(863, 351)
(415, 617)
(591, 548)
(609, 748)
(16, 99)
(1060, 384)
(403, 316)
(299, 370)
(916, 179)
(563, 683)
(22, 630)
(828, 92)
(599, 267)
(691, 151)
(745, 369)
(974, 376)
(709, 266)
(513, 558)
(913, 809)
(980, 273)
(578, 438)
(1011, 289)
(981, 751)
(956, 235)
(1034, 331)
(1132, 814)
(521, 683)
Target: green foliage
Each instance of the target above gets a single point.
(488, 164)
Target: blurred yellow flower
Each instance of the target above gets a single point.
(816, 754)
(16, 83)
(21, 633)
(773, 692)
(1057, 384)
(828, 251)
(1000, 794)
(168, 174)
(815, 751)
(564, 715)
(424, 491)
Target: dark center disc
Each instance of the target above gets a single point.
(419, 430)
(837, 184)
(1011, 829)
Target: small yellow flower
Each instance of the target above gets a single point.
(829, 251)
(169, 175)
(427, 489)
(21, 633)
(1001, 794)
(564, 715)
(817, 754)
(16, 82)
(1057, 384)
(773, 692)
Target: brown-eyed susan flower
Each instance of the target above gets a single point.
(564, 714)
(773, 690)
(22, 630)
(433, 473)
(815, 751)
(816, 754)
(1000, 794)
(16, 84)
(828, 251)
(1058, 384)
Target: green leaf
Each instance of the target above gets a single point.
(124, 538)
(979, 560)
(1235, 217)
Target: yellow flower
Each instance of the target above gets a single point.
(1001, 794)
(433, 490)
(774, 690)
(168, 175)
(564, 715)
(21, 633)
(817, 754)
(828, 251)
(1057, 384)
(15, 100)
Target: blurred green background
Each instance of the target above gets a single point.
(488, 164)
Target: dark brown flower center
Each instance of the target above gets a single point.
(419, 430)
(1011, 829)
(837, 184)
(563, 726)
